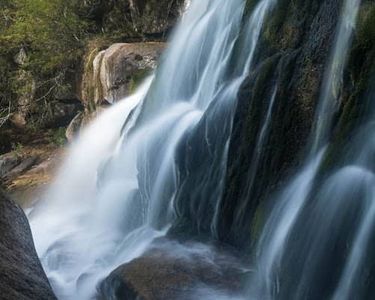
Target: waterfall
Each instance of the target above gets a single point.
(121, 185)
(155, 165)
(282, 235)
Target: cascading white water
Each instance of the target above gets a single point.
(265, 282)
(73, 228)
(114, 194)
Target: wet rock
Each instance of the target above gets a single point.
(21, 274)
(300, 33)
(159, 275)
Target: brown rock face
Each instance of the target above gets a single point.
(21, 274)
(114, 73)
(186, 274)
(123, 65)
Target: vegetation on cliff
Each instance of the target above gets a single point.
(43, 39)
(43, 44)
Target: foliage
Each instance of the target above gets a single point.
(46, 41)
(50, 31)
(51, 34)
(58, 136)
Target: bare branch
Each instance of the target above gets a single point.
(5, 115)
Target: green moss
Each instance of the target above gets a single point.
(137, 79)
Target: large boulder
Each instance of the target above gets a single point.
(21, 274)
(115, 72)
(189, 271)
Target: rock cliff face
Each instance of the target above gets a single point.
(291, 58)
(21, 274)
(293, 54)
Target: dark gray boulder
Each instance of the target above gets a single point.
(21, 274)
